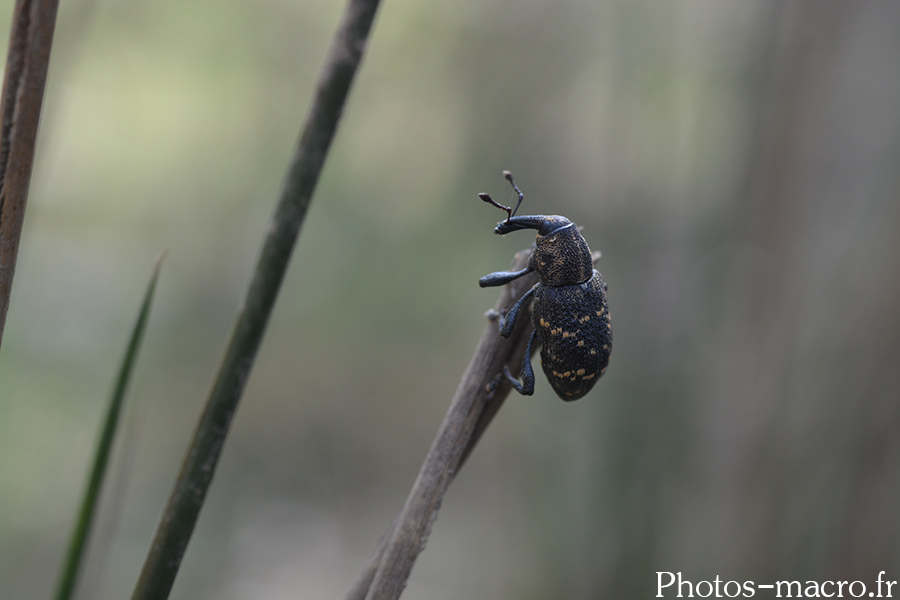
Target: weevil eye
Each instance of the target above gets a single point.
(551, 224)
(546, 227)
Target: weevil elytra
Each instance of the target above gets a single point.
(569, 310)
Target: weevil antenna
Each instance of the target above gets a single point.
(493, 202)
(509, 178)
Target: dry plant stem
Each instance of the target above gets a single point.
(471, 410)
(30, 39)
(181, 513)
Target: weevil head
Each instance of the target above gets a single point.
(561, 256)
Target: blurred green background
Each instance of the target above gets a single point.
(737, 163)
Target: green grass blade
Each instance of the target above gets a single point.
(74, 558)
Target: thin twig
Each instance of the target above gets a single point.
(478, 397)
(186, 500)
(30, 40)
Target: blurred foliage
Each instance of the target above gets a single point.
(735, 162)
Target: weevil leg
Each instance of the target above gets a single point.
(502, 277)
(509, 321)
(526, 386)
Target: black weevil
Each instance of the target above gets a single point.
(569, 311)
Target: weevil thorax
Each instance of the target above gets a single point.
(561, 255)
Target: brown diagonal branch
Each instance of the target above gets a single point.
(479, 396)
(30, 39)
